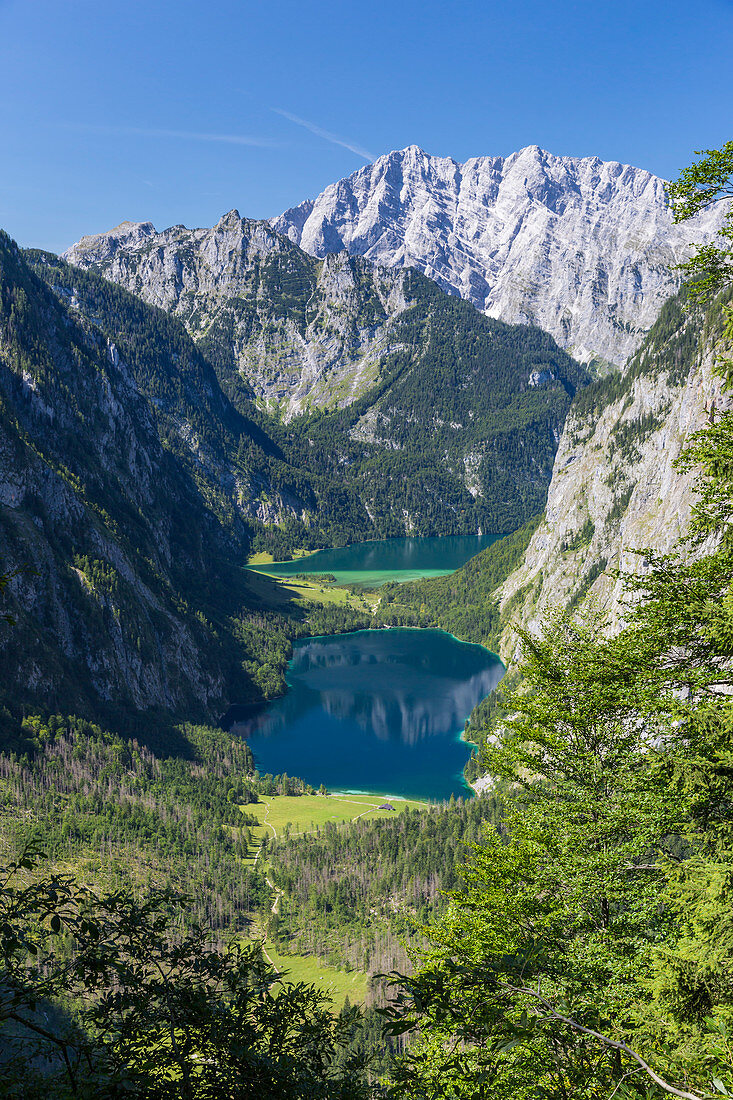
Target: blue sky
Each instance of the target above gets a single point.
(177, 112)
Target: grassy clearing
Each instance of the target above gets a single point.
(305, 592)
(337, 984)
(280, 592)
(305, 813)
(266, 558)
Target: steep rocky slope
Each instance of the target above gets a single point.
(614, 489)
(430, 417)
(581, 247)
(238, 467)
(294, 332)
(117, 503)
(461, 432)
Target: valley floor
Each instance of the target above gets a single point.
(289, 816)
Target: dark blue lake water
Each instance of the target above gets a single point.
(377, 711)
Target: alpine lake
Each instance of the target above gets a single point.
(376, 711)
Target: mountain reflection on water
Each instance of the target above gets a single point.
(375, 710)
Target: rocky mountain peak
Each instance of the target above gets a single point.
(126, 235)
(299, 331)
(166, 268)
(579, 246)
(233, 217)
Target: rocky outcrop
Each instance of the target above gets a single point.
(615, 490)
(118, 503)
(298, 333)
(579, 246)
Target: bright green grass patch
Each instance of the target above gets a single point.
(310, 591)
(283, 591)
(264, 557)
(337, 984)
(304, 813)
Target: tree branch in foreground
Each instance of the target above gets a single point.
(603, 1039)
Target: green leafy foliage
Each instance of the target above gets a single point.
(700, 185)
(590, 951)
(156, 1013)
(333, 909)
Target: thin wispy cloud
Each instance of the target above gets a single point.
(325, 134)
(184, 135)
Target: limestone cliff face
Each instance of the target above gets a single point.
(117, 503)
(614, 488)
(581, 247)
(296, 332)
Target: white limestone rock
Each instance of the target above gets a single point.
(301, 333)
(615, 489)
(581, 247)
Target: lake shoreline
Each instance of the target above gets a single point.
(368, 565)
(457, 780)
(375, 562)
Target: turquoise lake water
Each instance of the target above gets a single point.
(377, 711)
(373, 563)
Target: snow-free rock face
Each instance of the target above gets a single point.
(615, 490)
(301, 333)
(459, 414)
(581, 247)
(121, 507)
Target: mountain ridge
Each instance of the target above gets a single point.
(303, 332)
(123, 507)
(371, 357)
(579, 246)
(616, 491)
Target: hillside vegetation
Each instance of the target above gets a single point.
(403, 408)
(589, 952)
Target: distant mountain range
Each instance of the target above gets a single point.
(583, 248)
(579, 246)
(431, 417)
(237, 391)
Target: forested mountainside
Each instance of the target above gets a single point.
(121, 558)
(354, 894)
(124, 509)
(124, 814)
(283, 328)
(581, 247)
(244, 472)
(424, 418)
(616, 491)
(134, 489)
(456, 439)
